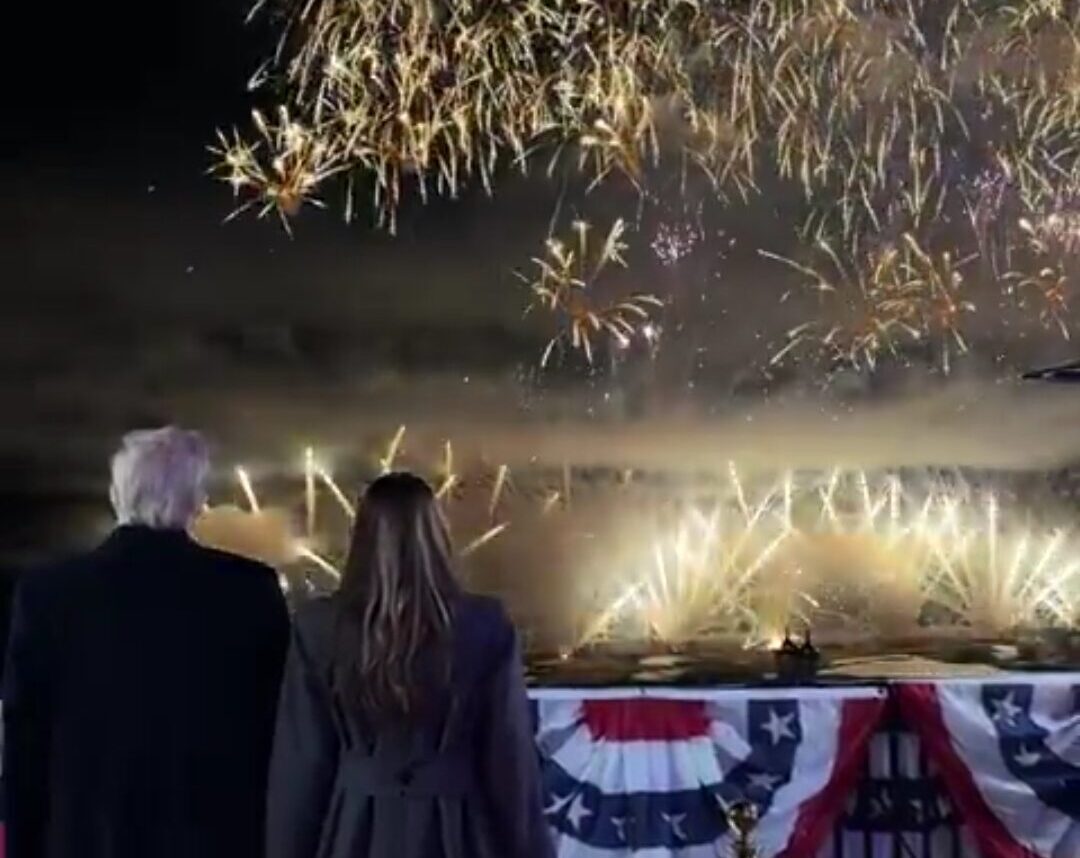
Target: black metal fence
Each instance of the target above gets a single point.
(900, 809)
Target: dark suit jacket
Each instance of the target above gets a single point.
(461, 782)
(139, 699)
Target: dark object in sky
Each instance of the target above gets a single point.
(461, 780)
(1068, 373)
(139, 702)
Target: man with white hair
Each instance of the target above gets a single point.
(142, 680)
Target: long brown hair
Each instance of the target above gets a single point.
(396, 599)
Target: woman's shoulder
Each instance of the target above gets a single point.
(474, 609)
(314, 623)
(484, 628)
(315, 611)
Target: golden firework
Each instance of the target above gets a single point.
(882, 117)
(567, 285)
(850, 553)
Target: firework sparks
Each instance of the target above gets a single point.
(320, 561)
(246, 486)
(449, 478)
(567, 285)
(868, 111)
(309, 490)
(386, 462)
(496, 492)
(902, 293)
(317, 532)
(484, 538)
(848, 551)
(335, 490)
(674, 242)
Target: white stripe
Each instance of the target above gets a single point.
(618, 768)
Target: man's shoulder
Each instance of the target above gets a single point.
(234, 564)
(58, 575)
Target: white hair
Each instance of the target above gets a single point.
(159, 478)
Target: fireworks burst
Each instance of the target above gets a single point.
(848, 551)
(890, 120)
(567, 285)
(297, 161)
(266, 531)
(903, 293)
(675, 241)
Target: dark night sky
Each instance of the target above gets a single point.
(128, 302)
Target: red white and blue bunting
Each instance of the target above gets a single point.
(652, 774)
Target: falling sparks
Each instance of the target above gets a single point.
(449, 478)
(309, 490)
(320, 561)
(386, 462)
(336, 492)
(483, 539)
(674, 242)
(568, 283)
(905, 119)
(246, 486)
(496, 492)
(901, 294)
(848, 552)
(316, 475)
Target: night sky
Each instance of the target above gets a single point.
(130, 303)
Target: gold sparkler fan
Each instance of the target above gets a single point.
(743, 819)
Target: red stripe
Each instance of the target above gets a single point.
(645, 719)
(859, 720)
(922, 711)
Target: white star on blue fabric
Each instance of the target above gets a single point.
(778, 726)
(577, 812)
(1027, 758)
(765, 781)
(676, 822)
(1005, 708)
(620, 827)
(558, 804)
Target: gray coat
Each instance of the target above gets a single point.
(461, 783)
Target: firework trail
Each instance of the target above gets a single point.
(894, 123)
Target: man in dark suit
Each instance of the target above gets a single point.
(141, 681)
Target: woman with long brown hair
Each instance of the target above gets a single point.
(403, 730)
